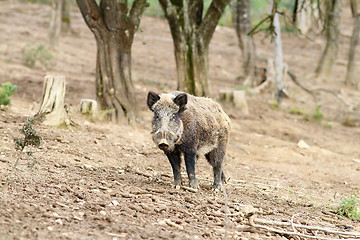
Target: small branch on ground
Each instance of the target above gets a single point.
(254, 222)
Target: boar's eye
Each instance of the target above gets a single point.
(156, 116)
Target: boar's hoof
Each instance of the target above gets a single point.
(193, 184)
(217, 188)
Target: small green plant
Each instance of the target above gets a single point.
(37, 54)
(295, 111)
(317, 114)
(30, 138)
(242, 87)
(274, 105)
(349, 207)
(6, 90)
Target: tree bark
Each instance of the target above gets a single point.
(55, 22)
(114, 26)
(191, 33)
(303, 16)
(351, 78)
(52, 109)
(332, 21)
(242, 24)
(279, 66)
(65, 16)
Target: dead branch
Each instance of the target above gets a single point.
(313, 91)
(190, 189)
(243, 182)
(293, 77)
(254, 223)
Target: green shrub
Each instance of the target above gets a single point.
(36, 54)
(317, 115)
(6, 90)
(348, 207)
(30, 138)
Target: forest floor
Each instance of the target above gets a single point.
(99, 180)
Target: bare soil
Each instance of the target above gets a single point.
(99, 180)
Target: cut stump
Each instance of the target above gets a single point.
(88, 107)
(236, 98)
(52, 110)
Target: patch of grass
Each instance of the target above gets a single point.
(317, 114)
(295, 111)
(242, 87)
(328, 125)
(274, 105)
(6, 90)
(349, 207)
(34, 54)
(348, 122)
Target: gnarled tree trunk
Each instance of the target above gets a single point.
(114, 26)
(332, 21)
(55, 22)
(65, 16)
(351, 78)
(191, 33)
(242, 22)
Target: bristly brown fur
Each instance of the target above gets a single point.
(199, 127)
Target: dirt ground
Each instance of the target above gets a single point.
(100, 180)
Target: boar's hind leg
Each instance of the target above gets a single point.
(190, 159)
(216, 158)
(175, 160)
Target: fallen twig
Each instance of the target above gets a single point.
(255, 183)
(189, 189)
(254, 223)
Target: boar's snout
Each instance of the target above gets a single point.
(163, 146)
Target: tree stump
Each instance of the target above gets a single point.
(236, 98)
(88, 107)
(239, 100)
(52, 110)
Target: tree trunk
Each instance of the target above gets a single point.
(192, 67)
(332, 21)
(55, 22)
(113, 78)
(246, 42)
(52, 110)
(114, 26)
(279, 66)
(65, 16)
(303, 16)
(191, 34)
(351, 78)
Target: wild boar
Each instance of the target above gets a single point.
(192, 126)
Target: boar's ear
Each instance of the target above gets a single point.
(181, 101)
(152, 98)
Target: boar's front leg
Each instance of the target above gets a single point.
(175, 161)
(190, 159)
